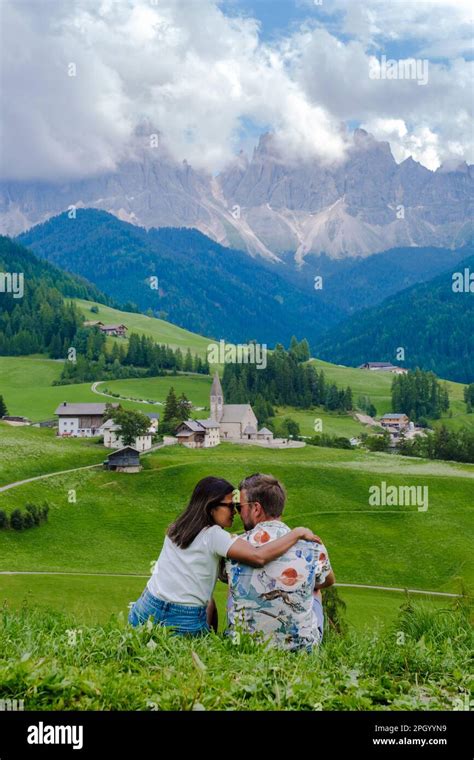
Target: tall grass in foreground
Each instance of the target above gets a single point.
(420, 663)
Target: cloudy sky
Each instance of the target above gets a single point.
(212, 75)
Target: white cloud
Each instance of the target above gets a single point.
(191, 70)
(197, 73)
(336, 75)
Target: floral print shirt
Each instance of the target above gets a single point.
(276, 601)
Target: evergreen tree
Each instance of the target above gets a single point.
(188, 361)
(184, 408)
(170, 413)
(3, 407)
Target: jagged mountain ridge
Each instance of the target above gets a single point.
(270, 206)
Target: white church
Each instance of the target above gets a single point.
(228, 422)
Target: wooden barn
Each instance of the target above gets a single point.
(126, 459)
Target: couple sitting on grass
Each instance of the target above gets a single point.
(274, 574)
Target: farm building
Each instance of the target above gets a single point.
(123, 460)
(264, 434)
(383, 367)
(394, 420)
(198, 434)
(113, 440)
(80, 420)
(117, 331)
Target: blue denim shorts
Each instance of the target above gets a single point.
(318, 611)
(183, 618)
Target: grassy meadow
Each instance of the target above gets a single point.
(377, 386)
(52, 664)
(158, 329)
(26, 452)
(116, 522)
(25, 383)
(92, 557)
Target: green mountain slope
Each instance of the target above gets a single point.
(433, 324)
(203, 286)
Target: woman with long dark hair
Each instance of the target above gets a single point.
(184, 576)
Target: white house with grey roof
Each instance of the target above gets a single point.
(80, 420)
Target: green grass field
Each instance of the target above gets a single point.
(420, 662)
(25, 383)
(377, 386)
(118, 521)
(196, 387)
(41, 451)
(94, 599)
(158, 329)
(332, 422)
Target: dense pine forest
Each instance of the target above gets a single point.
(419, 395)
(39, 321)
(287, 380)
(431, 322)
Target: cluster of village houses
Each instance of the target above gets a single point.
(227, 422)
(235, 423)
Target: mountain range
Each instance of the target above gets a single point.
(366, 308)
(269, 205)
(202, 286)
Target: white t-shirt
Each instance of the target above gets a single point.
(188, 576)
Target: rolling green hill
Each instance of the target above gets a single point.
(25, 383)
(123, 519)
(377, 386)
(158, 329)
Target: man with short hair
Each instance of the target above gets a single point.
(281, 602)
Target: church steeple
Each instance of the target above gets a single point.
(217, 399)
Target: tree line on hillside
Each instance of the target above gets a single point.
(141, 357)
(39, 323)
(419, 395)
(431, 321)
(455, 445)
(469, 397)
(37, 320)
(33, 516)
(286, 381)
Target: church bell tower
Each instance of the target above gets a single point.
(217, 399)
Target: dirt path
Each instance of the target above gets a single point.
(48, 475)
(138, 575)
